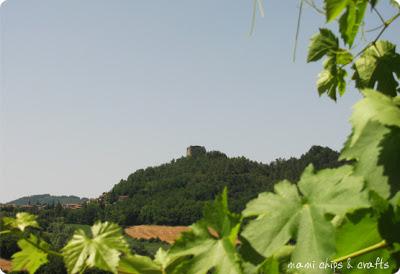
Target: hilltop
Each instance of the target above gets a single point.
(174, 193)
(47, 199)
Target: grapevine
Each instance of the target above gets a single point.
(330, 221)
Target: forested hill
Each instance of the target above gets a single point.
(174, 193)
(48, 199)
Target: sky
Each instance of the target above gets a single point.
(93, 90)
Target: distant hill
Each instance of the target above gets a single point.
(174, 193)
(48, 199)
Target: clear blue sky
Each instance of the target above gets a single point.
(93, 90)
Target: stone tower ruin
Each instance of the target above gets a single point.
(193, 151)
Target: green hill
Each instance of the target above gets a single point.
(174, 193)
(48, 199)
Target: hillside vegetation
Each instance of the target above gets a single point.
(174, 193)
(47, 199)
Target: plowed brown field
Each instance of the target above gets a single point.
(167, 234)
(5, 265)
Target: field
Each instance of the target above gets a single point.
(5, 265)
(167, 234)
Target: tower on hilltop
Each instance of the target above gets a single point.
(193, 151)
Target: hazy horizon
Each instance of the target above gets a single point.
(93, 90)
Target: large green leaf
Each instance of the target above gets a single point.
(101, 248)
(300, 213)
(375, 142)
(22, 221)
(31, 256)
(210, 244)
(377, 67)
(351, 20)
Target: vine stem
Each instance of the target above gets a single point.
(379, 15)
(314, 6)
(385, 26)
(371, 248)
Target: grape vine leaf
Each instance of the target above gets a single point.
(30, 258)
(101, 247)
(350, 21)
(22, 221)
(357, 233)
(300, 213)
(210, 244)
(377, 67)
(332, 79)
(375, 142)
(321, 44)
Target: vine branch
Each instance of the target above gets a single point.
(379, 15)
(386, 24)
(369, 249)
